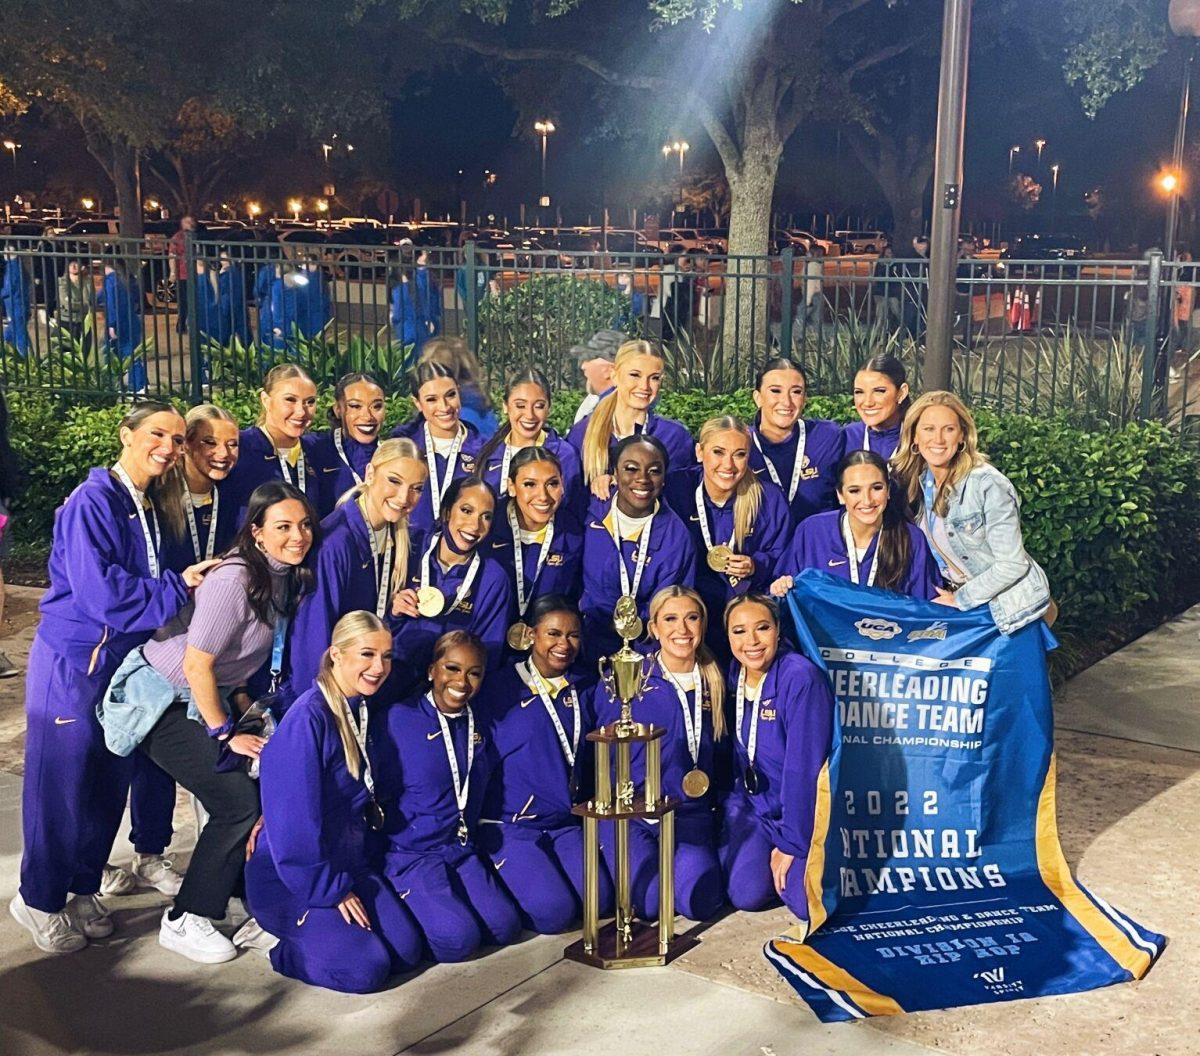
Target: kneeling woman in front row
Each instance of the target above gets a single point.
(309, 882)
(683, 693)
(537, 714)
(433, 765)
(783, 717)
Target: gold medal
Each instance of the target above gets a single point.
(519, 637)
(626, 608)
(430, 602)
(718, 557)
(695, 784)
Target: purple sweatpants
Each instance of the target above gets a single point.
(457, 900)
(699, 891)
(74, 787)
(745, 849)
(151, 806)
(543, 871)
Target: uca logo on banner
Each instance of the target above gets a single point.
(877, 630)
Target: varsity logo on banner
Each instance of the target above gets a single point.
(935, 876)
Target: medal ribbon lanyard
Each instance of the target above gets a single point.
(702, 516)
(283, 462)
(151, 538)
(341, 450)
(194, 529)
(383, 575)
(462, 783)
(751, 744)
(437, 487)
(534, 681)
(278, 640)
(643, 552)
(852, 554)
(519, 559)
(797, 466)
(360, 738)
(692, 720)
(464, 588)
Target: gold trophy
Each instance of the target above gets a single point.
(626, 942)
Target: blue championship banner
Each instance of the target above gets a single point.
(935, 876)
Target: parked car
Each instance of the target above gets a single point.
(860, 241)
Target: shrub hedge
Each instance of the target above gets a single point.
(1113, 516)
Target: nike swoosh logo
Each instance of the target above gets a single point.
(433, 736)
(301, 921)
(526, 703)
(331, 469)
(834, 564)
(500, 864)
(60, 721)
(367, 565)
(133, 516)
(406, 892)
(694, 518)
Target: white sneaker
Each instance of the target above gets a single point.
(195, 938)
(52, 932)
(250, 936)
(90, 916)
(156, 871)
(117, 881)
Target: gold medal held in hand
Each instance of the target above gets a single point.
(695, 784)
(430, 602)
(718, 557)
(519, 637)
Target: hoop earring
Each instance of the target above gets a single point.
(258, 545)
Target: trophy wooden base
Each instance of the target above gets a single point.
(642, 952)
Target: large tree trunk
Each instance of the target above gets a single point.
(124, 177)
(905, 194)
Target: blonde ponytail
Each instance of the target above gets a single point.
(600, 423)
(748, 495)
(346, 632)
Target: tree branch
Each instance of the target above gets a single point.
(840, 10)
(639, 82)
(876, 57)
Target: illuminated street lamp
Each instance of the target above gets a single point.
(1012, 152)
(1168, 181)
(544, 128)
(681, 148)
(253, 209)
(1054, 193)
(1040, 144)
(294, 207)
(12, 148)
(88, 203)
(325, 149)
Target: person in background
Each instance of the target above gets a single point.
(16, 301)
(177, 249)
(971, 514)
(881, 399)
(473, 383)
(208, 320)
(121, 301)
(76, 302)
(679, 302)
(632, 317)
(264, 283)
(233, 320)
(885, 291)
(340, 456)
(915, 275)
(596, 366)
(811, 306)
(10, 479)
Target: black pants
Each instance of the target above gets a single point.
(181, 305)
(183, 748)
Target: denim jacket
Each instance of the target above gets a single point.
(983, 524)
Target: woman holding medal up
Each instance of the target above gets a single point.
(625, 412)
(738, 527)
(433, 765)
(278, 446)
(793, 454)
(870, 541)
(527, 409)
(539, 546)
(783, 719)
(309, 881)
(881, 400)
(340, 457)
(453, 584)
(684, 693)
(633, 545)
(449, 445)
(363, 557)
(536, 713)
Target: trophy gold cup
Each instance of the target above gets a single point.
(626, 942)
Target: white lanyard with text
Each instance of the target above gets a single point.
(852, 553)
(360, 737)
(797, 466)
(190, 509)
(341, 450)
(383, 576)
(519, 558)
(283, 463)
(702, 515)
(534, 681)
(151, 539)
(438, 486)
(468, 579)
(462, 784)
(692, 723)
(643, 552)
(751, 743)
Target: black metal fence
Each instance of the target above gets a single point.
(101, 317)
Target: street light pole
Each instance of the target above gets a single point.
(1054, 196)
(1012, 151)
(947, 190)
(543, 129)
(1177, 153)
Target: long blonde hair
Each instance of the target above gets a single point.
(748, 495)
(710, 670)
(908, 464)
(165, 492)
(279, 373)
(346, 632)
(600, 423)
(387, 452)
(176, 483)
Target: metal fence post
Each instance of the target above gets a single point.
(472, 305)
(786, 278)
(193, 331)
(1150, 344)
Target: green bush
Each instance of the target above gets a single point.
(1112, 515)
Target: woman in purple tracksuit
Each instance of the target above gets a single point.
(633, 545)
(881, 400)
(537, 713)
(453, 584)
(449, 445)
(108, 593)
(433, 764)
(340, 457)
(783, 720)
(363, 557)
(683, 693)
(889, 551)
(734, 520)
(527, 410)
(794, 455)
(309, 880)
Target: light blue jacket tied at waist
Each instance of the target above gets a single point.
(136, 698)
(983, 529)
